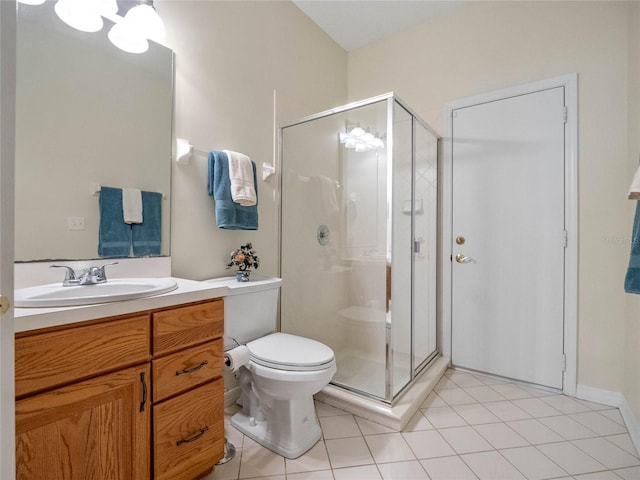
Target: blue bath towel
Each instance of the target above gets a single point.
(229, 214)
(114, 236)
(632, 279)
(147, 236)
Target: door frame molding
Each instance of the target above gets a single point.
(570, 84)
(8, 25)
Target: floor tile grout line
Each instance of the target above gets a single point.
(565, 413)
(582, 473)
(587, 453)
(636, 455)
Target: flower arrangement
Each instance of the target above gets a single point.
(244, 258)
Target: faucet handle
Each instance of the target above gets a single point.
(101, 270)
(70, 275)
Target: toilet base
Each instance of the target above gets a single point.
(260, 432)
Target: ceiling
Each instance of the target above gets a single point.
(356, 23)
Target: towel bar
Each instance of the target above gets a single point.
(96, 187)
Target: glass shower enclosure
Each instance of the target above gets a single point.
(359, 232)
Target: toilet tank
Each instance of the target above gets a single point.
(250, 308)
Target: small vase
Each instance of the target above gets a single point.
(243, 275)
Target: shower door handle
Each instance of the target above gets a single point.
(460, 258)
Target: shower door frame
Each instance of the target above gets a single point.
(391, 98)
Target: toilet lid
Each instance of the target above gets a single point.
(290, 352)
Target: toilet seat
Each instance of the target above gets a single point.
(282, 351)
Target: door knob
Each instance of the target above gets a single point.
(460, 258)
(5, 303)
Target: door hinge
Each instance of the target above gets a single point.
(563, 361)
(565, 114)
(565, 239)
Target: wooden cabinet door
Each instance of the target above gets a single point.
(95, 429)
(189, 433)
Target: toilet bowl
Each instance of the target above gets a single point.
(278, 384)
(282, 372)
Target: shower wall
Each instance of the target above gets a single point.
(359, 241)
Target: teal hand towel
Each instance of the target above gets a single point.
(147, 236)
(114, 236)
(632, 279)
(229, 214)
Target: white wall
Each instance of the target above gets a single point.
(230, 57)
(494, 45)
(631, 387)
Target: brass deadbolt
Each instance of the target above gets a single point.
(460, 240)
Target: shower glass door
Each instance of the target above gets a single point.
(358, 231)
(401, 231)
(334, 240)
(425, 234)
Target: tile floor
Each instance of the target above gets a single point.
(470, 427)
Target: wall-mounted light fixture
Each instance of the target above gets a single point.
(85, 15)
(361, 140)
(140, 23)
(136, 21)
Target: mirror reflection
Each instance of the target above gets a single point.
(87, 115)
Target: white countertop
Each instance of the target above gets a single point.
(188, 291)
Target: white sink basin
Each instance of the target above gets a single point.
(55, 295)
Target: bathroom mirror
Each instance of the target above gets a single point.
(87, 114)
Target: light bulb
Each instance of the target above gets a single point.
(127, 39)
(146, 20)
(82, 15)
(108, 8)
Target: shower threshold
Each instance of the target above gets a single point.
(396, 416)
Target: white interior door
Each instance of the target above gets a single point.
(509, 237)
(7, 133)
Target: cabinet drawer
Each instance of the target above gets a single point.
(56, 358)
(183, 370)
(184, 326)
(189, 432)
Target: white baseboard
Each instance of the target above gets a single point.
(614, 399)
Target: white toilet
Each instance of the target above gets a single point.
(283, 372)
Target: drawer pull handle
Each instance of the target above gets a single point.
(144, 392)
(192, 369)
(202, 431)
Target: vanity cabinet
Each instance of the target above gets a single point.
(131, 397)
(83, 406)
(188, 393)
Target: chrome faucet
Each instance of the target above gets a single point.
(89, 276)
